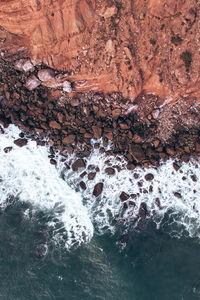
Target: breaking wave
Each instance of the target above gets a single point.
(168, 197)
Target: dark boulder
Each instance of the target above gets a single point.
(98, 188)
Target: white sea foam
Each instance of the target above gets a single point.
(26, 173)
(180, 215)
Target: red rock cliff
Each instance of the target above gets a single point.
(127, 46)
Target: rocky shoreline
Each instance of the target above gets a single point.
(144, 132)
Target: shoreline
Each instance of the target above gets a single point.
(145, 132)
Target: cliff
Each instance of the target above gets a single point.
(127, 46)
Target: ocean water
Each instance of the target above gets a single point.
(60, 242)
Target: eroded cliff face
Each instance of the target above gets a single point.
(128, 46)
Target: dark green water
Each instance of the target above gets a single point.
(151, 266)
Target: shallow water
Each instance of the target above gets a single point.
(58, 242)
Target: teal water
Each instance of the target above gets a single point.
(152, 265)
(58, 242)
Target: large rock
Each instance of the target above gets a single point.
(137, 152)
(20, 142)
(98, 188)
(79, 163)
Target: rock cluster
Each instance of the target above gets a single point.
(71, 122)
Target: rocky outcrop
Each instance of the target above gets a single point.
(130, 46)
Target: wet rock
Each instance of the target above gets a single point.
(177, 195)
(83, 185)
(130, 166)
(54, 125)
(163, 156)
(32, 83)
(98, 188)
(108, 135)
(158, 202)
(185, 157)
(79, 163)
(124, 196)
(143, 210)
(21, 142)
(137, 152)
(176, 166)
(53, 161)
(69, 139)
(194, 178)
(125, 205)
(133, 196)
(69, 149)
(110, 171)
(7, 149)
(170, 151)
(46, 74)
(83, 174)
(91, 175)
(97, 132)
(149, 177)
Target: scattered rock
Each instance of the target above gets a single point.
(116, 113)
(79, 163)
(53, 161)
(170, 151)
(194, 178)
(69, 139)
(149, 177)
(54, 125)
(143, 210)
(130, 166)
(7, 149)
(137, 152)
(158, 202)
(97, 131)
(98, 188)
(110, 171)
(176, 166)
(83, 185)
(177, 195)
(131, 203)
(21, 142)
(124, 196)
(83, 174)
(91, 175)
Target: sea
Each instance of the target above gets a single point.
(58, 241)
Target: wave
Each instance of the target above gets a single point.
(168, 195)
